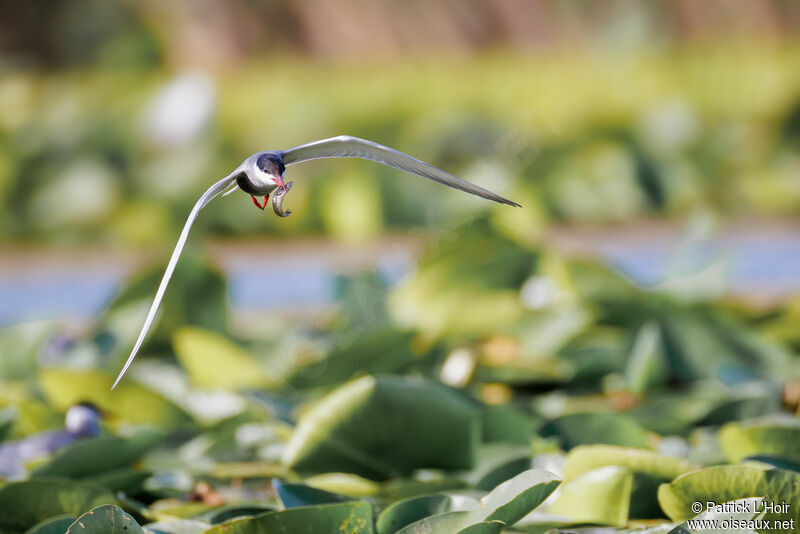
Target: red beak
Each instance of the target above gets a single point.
(280, 182)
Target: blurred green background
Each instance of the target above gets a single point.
(645, 297)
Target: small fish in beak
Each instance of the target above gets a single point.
(277, 200)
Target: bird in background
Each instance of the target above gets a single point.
(82, 421)
(262, 174)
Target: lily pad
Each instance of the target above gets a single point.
(649, 470)
(508, 503)
(515, 498)
(24, 504)
(741, 511)
(596, 427)
(645, 365)
(344, 484)
(21, 345)
(382, 426)
(297, 495)
(508, 425)
(128, 481)
(498, 462)
(180, 526)
(93, 456)
(730, 482)
(7, 417)
(675, 413)
(466, 285)
(407, 511)
(53, 525)
(234, 511)
(106, 519)
(345, 518)
(772, 461)
(484, 527)
(601, 496)
(197, 296)
(213, 361)
(446, 523)
(740, 440)
(129, 401)
(588, 457)
(384, 350)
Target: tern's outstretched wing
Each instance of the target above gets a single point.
(212, 192)
(345, 146)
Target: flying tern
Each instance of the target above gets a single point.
(262, 174)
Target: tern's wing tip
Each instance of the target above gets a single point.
(508, 202)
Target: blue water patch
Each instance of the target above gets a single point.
(760, 265)
(55, 296)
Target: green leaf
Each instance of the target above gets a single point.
(20, 345)
(675, 413)
(645, 363)
(344, 484)
(510, 465)
(728, 483)
(32, 415)
(361, 300)
(589, 457)
(740, 440)
(601, 496)
(780, 463)
(383, 426)
(741, 407)
(345, 518)
(466, 284)
(52, 525)
(296, 495)
(699, 343)
(385, 350)
(180, 508)
(507, 424)
(484, 527)
(128, 481)
(446, 523)
(508, 503)
(739, 510)
(129, 401)
(197, 296)
(407, 511)
(515, 498)
(649, 469)
(24, 504)
(233, 511)
(106, 519)
(213, 361)
(178, 526)
(7, 417)
(596, 427)
(98, 455)
(399, 488)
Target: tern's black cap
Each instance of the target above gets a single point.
(271, 163)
